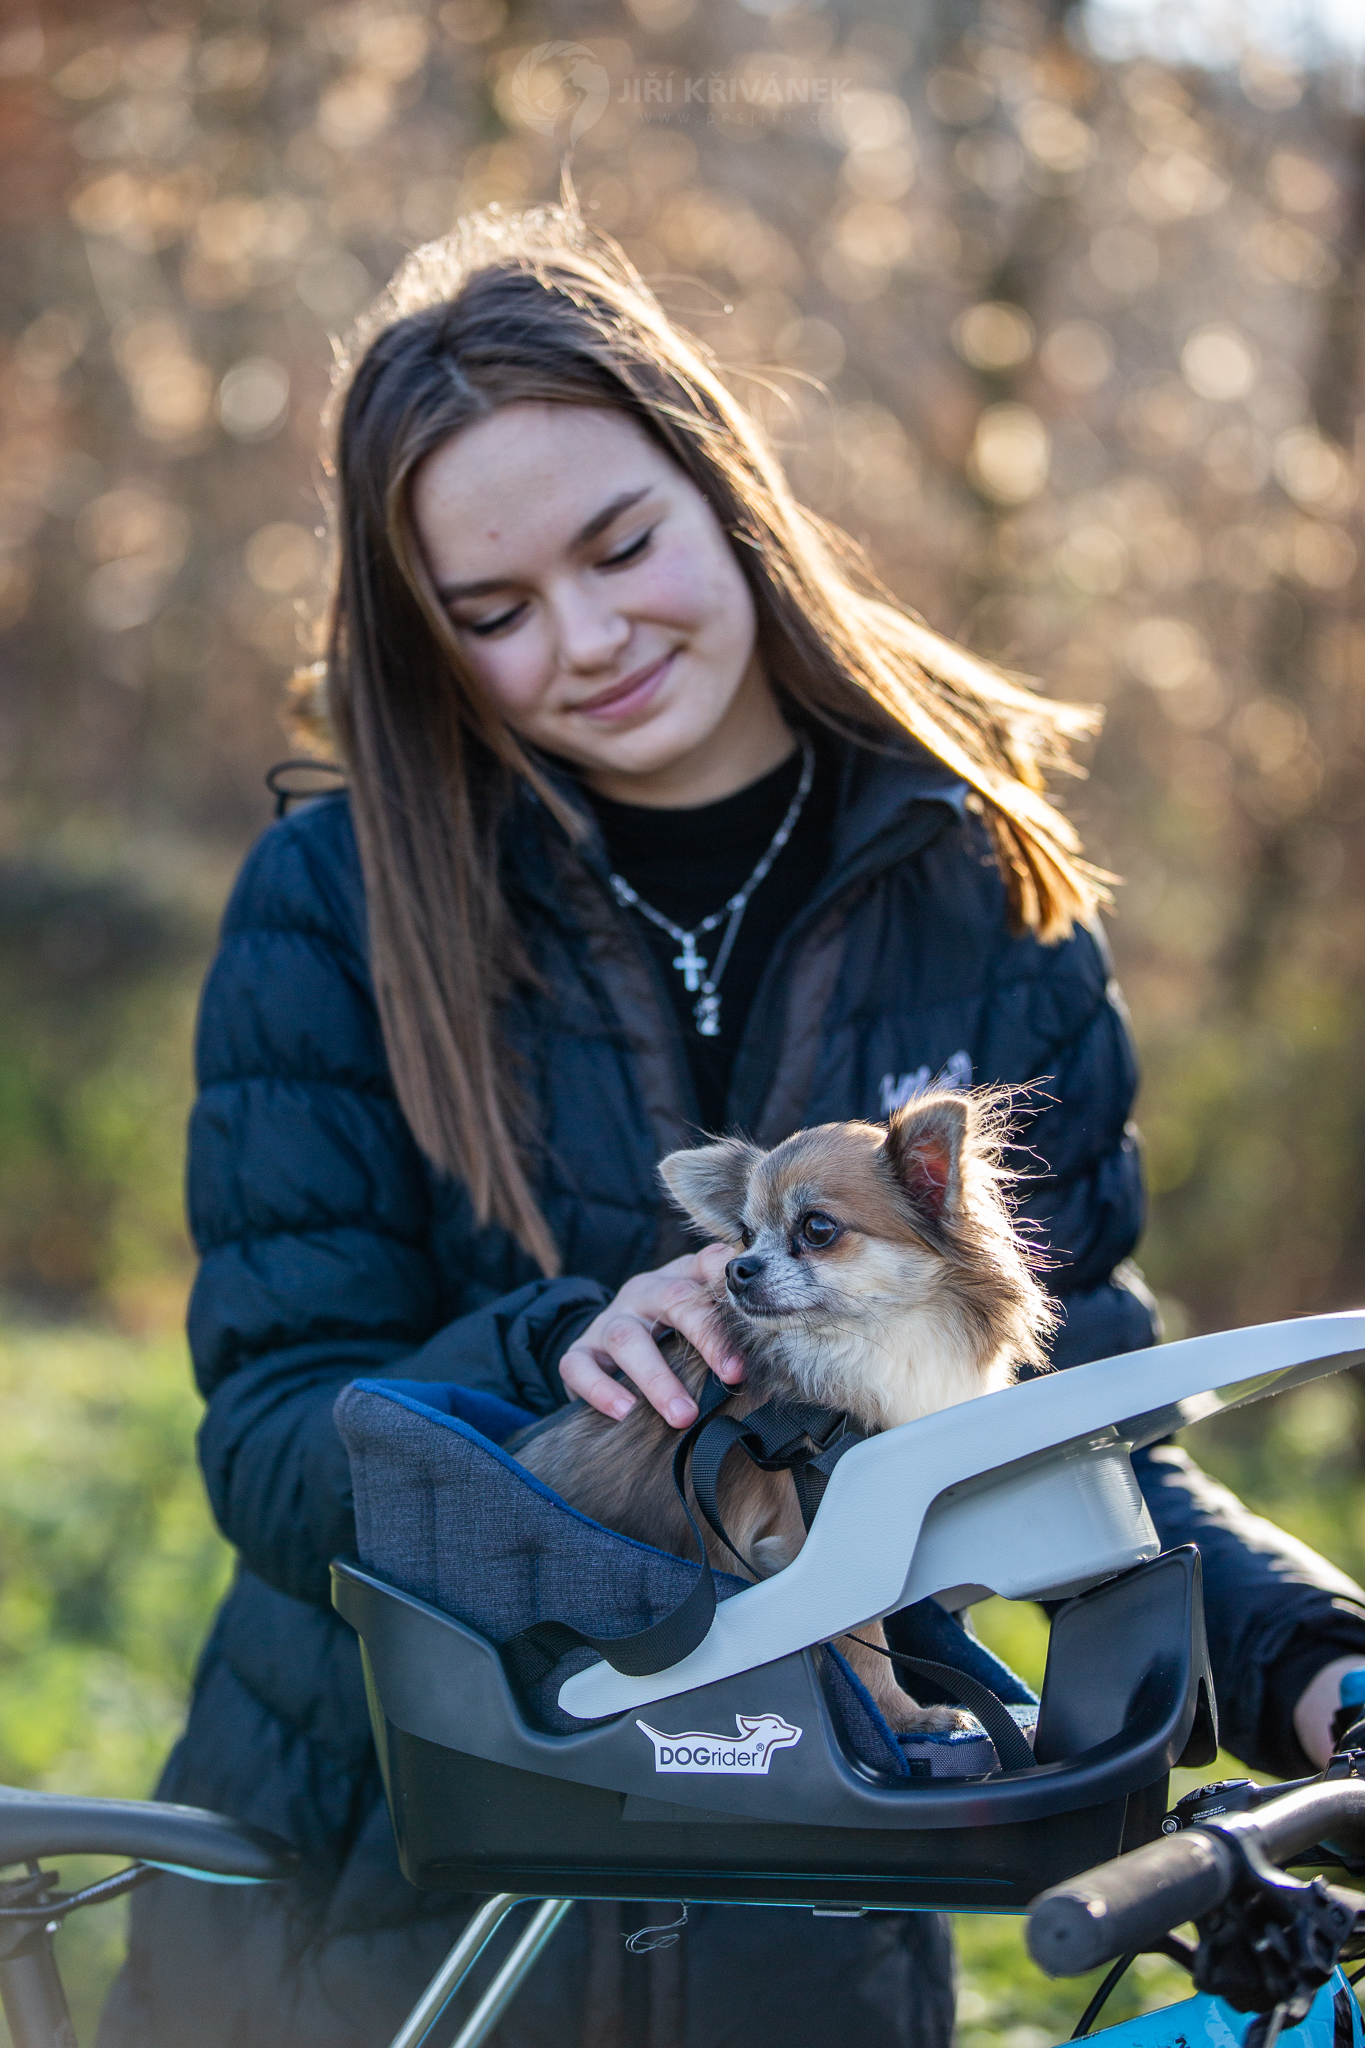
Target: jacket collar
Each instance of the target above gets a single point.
(888, 794)
(883, 789)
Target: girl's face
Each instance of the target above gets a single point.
(598, 602)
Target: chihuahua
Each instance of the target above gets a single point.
(878, 1272)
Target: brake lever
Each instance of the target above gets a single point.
(1274, 1942)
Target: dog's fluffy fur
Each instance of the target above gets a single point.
(880, 1273)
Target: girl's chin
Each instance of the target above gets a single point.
(649, 746)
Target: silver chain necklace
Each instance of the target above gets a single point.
(699, 977)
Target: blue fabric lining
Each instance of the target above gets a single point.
(928, 1630)
(864, 1726)
(492, 1417)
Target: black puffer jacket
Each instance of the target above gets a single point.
(330, 1249)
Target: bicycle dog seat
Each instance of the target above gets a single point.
(180, 1838)
(755, 1770)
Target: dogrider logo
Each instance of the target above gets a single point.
(559, 79)
(698, 1754)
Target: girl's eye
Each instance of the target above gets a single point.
(818, 1230)
(483, 627)
(746, 1237)
(629, 552)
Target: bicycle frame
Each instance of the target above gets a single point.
(36, 2010)
(1333, 2021)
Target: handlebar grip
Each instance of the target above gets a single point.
(1122, 1907)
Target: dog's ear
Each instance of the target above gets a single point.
(923, 1149)
(710, 1182)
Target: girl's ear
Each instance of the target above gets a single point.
(711, 1183)
(923, 1149)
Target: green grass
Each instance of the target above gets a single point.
(109, 1569)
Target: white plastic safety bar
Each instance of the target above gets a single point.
(1028, 1493)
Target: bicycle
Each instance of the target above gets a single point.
(1270, 1945)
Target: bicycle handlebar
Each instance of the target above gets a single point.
(1127, 1905)
(1123, 1907)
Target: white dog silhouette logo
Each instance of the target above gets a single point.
(697, 1753)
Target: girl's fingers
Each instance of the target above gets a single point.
(620, 1339)
(696, 1320)
(711, 1263)
(689, 1307)
(584, 1377)
(680, 1296)
(630, 1346)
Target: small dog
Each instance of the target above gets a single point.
(879, 1272)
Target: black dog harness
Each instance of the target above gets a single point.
(799, 1437)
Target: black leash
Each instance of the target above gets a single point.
(793, 1436)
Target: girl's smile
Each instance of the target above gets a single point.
(620, 701)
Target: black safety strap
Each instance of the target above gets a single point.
(1011, 1744)
(534, 1651)
(782, 1436)
(793, 1436)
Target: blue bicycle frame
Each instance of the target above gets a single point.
(1333, 2021)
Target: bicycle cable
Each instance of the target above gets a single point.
(1101, 1998)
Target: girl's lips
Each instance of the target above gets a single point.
(623, 699)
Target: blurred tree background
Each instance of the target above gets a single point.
(1057, 307)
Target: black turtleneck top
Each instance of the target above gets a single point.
(687, 863)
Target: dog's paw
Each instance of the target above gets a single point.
(772, 1554)
(913, 1720)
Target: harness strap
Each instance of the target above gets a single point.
(782, 1436)
(534, 1651)
(1011, 1744)
(779, 1436)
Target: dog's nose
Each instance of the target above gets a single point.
(741, 1273)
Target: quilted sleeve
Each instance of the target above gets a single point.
(309, 1204)
(1276, 1612)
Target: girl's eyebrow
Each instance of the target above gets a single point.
(600, 521)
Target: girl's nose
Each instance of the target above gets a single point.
(592, 633)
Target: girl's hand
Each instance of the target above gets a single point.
(681, 1296)
(1317, 1707)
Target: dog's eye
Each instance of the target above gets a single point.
(746, 1237)
(818, 1230)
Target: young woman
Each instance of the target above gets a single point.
(662, 819)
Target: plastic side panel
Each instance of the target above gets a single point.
(464, 1824)
(1136, 1643)
(1333, 2021)
(434, 1679)
(857, 1561)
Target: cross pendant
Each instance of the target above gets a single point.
(690, 964)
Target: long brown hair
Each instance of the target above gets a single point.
(533, 307)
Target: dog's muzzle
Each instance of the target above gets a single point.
(759, 1287)
(744, 1278)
